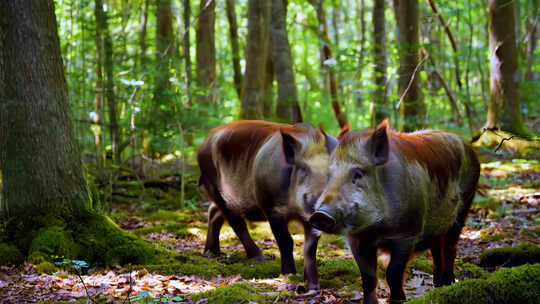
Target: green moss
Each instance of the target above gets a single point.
(464, 271)
(422, 263)
(193, 263)
(511, 256)
(169, 216)
(511, 285)
(45, 267)
(36, 257)
(10, 255)
(179, 229)
(238, 292)
(105, 243)
(55, 240)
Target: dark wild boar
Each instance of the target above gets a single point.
(402, 193)
(258, 170)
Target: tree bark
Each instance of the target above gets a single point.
(206, 48)
(256, 55)
(100, 85)
(504, 109)
(412, 108)
(531, 75)
(233, 32)
(326, 55)
(165, 51)
(142, 37)
(361, 10)
(40, 161)
(379, 109)
(287, 109)
(187, 51)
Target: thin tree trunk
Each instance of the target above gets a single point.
(256, 57)
(362, 15)
(100, 86)
(504, 109)
(42, 172)
(142, 37)
(412, 108)
(287, 109)
(187, 51)
(165, 50)
(206, 48)
(532, 39)
(379, 109)
(233, 31)
(326, 58)
(268, 89)
(110, 96)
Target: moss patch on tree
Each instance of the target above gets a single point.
(510, 285)
(10, 255)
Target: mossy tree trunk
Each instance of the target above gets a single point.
(41, 165)
(45, 201)
(287, 108)
(253, 89)
(504, 109)
(412, 107)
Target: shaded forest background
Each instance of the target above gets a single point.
(150, 78)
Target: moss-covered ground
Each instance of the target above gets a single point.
(154, 244)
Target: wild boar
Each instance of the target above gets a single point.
(402, 193)
(258, 170)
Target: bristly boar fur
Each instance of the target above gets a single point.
(258, 170)
(400, 192)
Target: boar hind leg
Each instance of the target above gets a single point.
(238, 224)
(310, 256)
(366, 259)
(400, 254)
(284, 241)
(444, 255)
(215, 222)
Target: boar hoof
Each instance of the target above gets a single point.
(211, 254)
(302, 291)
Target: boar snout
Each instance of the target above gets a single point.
(323, 221)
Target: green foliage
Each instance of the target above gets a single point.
(10, 255)
(511, 256)
(464, 271)
(45, 267)
(511, 285)
(235, 293)
(54, 240)
(422, 263)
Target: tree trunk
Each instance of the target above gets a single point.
(165, 50)
(379, 109)
(100, 86)
(256, 56)
(504, 109)
(45, 198)
(531, 75)
(41, 167)
(233, 31)
(206, 49)
(187, 51)
(287, 109)
(142, 39)
(412, 107)
(326, 58)
(268, 90)
(361, 8)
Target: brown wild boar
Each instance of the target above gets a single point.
(402, 193)
(258, 170)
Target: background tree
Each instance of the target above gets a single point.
(206, 48)
(235, 48)
(412, 107)
(287, 108)
(504, 109)
(46, 201)
(379, 109)
(256, 54)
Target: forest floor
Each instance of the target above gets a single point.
(505, 213)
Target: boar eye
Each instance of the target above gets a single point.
(357, 175)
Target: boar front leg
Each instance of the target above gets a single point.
(215, 222)
(285, 242)
(400, 253)
(311, 237)
(366, 259)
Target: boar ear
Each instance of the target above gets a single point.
(378, 144)
(329, 141)
(289, 145)
(346, 128)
